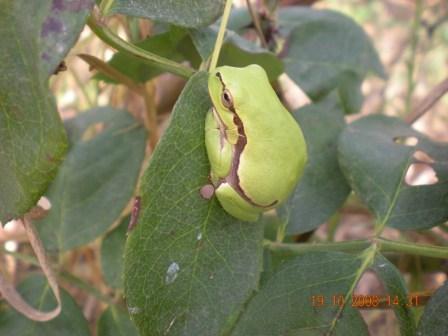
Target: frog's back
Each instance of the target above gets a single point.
(276, 157)
(274, 153)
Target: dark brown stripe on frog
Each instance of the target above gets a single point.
(233, 178)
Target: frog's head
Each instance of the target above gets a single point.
(230, 87)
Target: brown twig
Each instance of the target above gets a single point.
(432, 97)
(256, 20)
(148, 92)
(411, 63)
(109, 71)
(145, 90)
(14, 298)
(431, 27)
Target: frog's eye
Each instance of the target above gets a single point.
(227, 99)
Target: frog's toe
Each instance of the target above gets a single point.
(207, 191)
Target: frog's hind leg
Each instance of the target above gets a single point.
(235, 205)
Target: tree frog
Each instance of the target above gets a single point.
(256, 149)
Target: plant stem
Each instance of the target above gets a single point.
(411, 63)
(110, 72)
(345, 246)
(425, 104)
(368, 257)
(413, 248)
(63, 275)
(119, 44)
(82, 87)
(220, 38)
(148, 93)
(81, 284)
(333, 223)
(105, 6)
(257, 24)
(384, 245)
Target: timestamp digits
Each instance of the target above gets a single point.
(361, 301)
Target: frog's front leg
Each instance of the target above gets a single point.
(219, 152)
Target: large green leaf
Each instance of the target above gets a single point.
(32, 139)
(70, 322)
(396, 288)
(112, 254)
(327, 50)
(189, 266)
(115, 322)
(63, 23)
(186, 13)
(375, 164)
(433, 321)
(236, 51)
(289, 302)
(323, 188)
(95, 182)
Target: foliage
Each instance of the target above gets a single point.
(188, 267)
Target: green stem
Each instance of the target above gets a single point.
(345, 246)
(368, 256)
(121, 45)
(105, 6)
(384, 245)
(333, 223)
(83, 88)
(23, 257)
(413, 248)
(411, 63)
(220, 38)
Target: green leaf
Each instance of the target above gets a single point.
(395, 287)
(375, 164)
(433, 321)
(236, 51)
(77, 128)
(239, 19)
(323, 188)
(112, 254)
(32, 139)
(186, 13)
(349, 90)
(115, 322)
(171, 44)
(327, 50)
(287, 304)
(233, 55)
(94, 184)
(35, 290)
(189, 266)
(63, 24)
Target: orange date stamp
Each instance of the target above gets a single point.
(365, 301)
